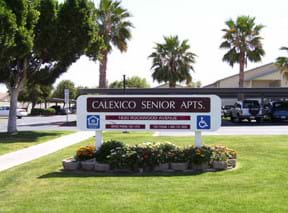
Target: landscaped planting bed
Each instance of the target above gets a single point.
(115, 156)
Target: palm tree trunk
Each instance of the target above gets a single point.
(12, 127)
(241, 75)
(102, 70)
(172, 84)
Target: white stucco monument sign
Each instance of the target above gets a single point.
(148, 113)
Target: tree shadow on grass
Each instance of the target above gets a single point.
(84, 174)
(25, 136)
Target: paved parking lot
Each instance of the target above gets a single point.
(41, 123)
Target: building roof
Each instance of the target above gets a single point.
(264, 68)
(268, 72)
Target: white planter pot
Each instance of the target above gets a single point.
(220, 165)
(201, 166)
(232, 163)
(179, 166)
(70, 164)
(88, 165)
(101, 167)
(162, 167)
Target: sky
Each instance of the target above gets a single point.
(198, 21)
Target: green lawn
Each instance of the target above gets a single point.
(9, 143)
(259, 184)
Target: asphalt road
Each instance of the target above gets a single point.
(228, 128)
(57, 122)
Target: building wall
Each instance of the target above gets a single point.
(265, 83)
(272, 76)
(284, 82)
(4, 103)
(264, 76)
(4, 99)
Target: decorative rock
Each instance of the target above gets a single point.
(88, 164)
(220, 165)
(232, 162)
(101, 167)
(70, 164)
(179, 166)
(163, 167)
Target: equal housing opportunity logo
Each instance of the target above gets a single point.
(93, 121)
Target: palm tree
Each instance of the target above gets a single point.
(282, 61)
(172, 61)
(114, 30)
(243, 41)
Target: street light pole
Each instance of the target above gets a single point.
(124, 83)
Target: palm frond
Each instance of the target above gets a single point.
(172, 61)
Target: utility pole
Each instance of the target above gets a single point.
(124, 83)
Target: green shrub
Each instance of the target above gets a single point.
(45, 112)
(48, 112)
(178, 156)
(200, 155)
(105, 150)
(36, 111)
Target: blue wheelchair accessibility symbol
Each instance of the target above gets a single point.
(203, 122)
(93, 121)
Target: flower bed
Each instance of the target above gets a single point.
(115, 156)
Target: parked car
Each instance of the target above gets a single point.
(73, 109)
(4, 112)
(247, 109)
(226, 110)
(277, 110)
(60, 111)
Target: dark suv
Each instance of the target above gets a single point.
(247, 109)
(277, 110)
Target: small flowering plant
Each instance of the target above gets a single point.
(85, 152)
(165, 151)
(222, 153)
(148, 154)
(200, 155)
(232, 154)
(178, 155)
(118, 158)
